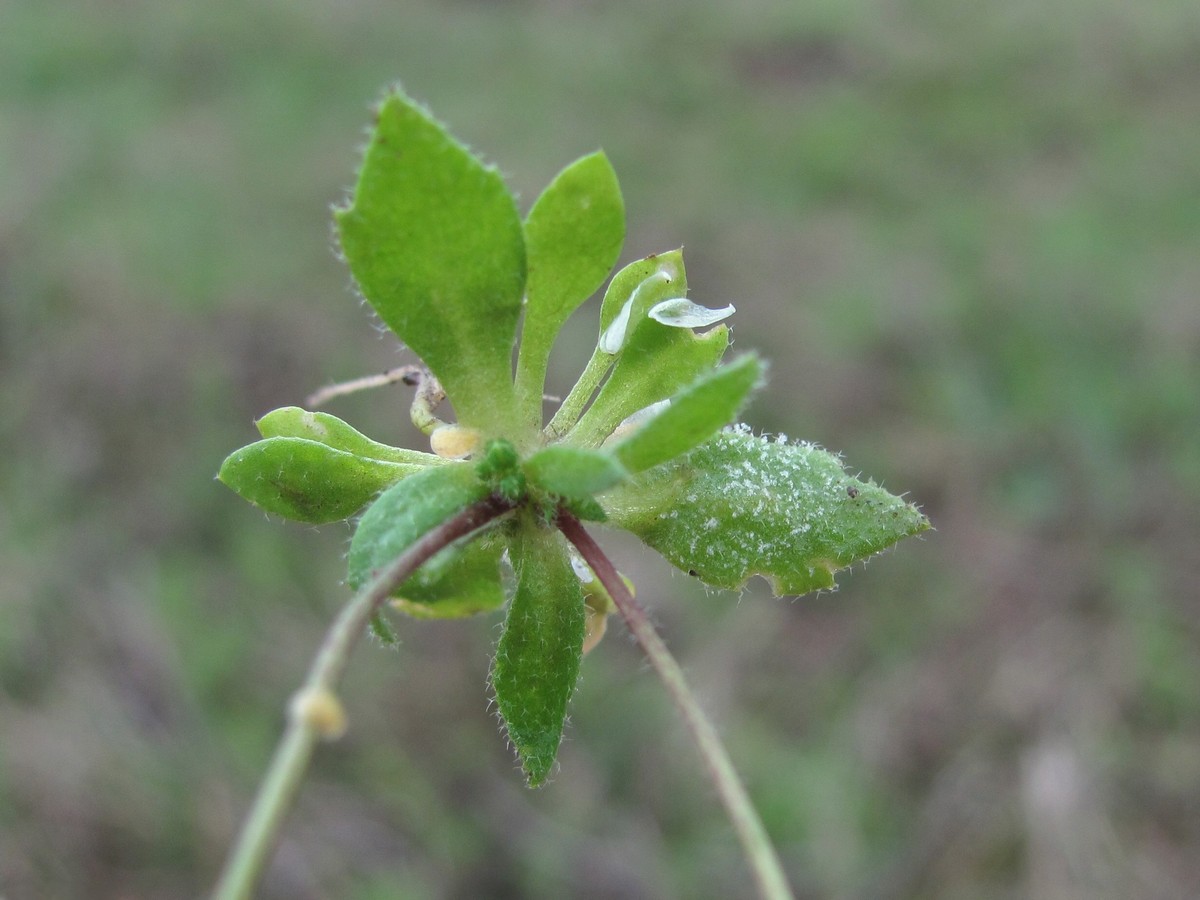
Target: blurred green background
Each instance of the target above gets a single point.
(968, 236)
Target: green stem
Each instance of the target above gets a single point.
(310, 711)
(572, 407)
(761, 856)
(530, 384)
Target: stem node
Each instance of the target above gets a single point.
(316, 713)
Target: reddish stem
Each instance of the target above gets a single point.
(764, 863)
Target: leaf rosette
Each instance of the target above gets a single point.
(438, 249)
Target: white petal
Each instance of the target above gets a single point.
(635, 421)
(613, 338)
(582, 572)
(683, 313)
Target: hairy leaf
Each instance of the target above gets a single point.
(656, 362)
(460, 580)
(573, 471)
(457, 582)
(435, 243)
(692, 417)
(630, 295)
(306, 480)
(537, 660)
(573, 236)
(292, 421)
(741, 505)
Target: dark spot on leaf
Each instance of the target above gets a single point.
(693, 573)
(852, 491)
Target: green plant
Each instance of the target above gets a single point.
(436, 244)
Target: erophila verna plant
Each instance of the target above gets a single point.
(437, 247)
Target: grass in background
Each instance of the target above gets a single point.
(969, 244)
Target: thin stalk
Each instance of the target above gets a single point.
(407, 374)
(428, 396)
(760, 855)
(530, 383)
(570, 410)
(315, 712)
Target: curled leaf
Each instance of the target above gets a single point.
(308, 481)
(292, 421)
(615, 336)
(632, 276)
(740, 505)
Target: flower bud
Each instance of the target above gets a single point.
(454, 441)
(320, 710)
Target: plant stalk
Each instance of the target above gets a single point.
(315, 712)
(572, 407)
(760, 855)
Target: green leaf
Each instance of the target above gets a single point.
(653, 359)
(308, 481)
(460, 580)
(572, 471)
(693, 416)
(573, 236)
(500, 469)
(457, 582)
(537, 660)
(631, 294)
(586, 508)
(435, 243)
(657, 361)
(382, 629)
(741, 505)
(634, 291)
(292, 421)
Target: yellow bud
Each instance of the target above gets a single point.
(454, 441)
(320, 710)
